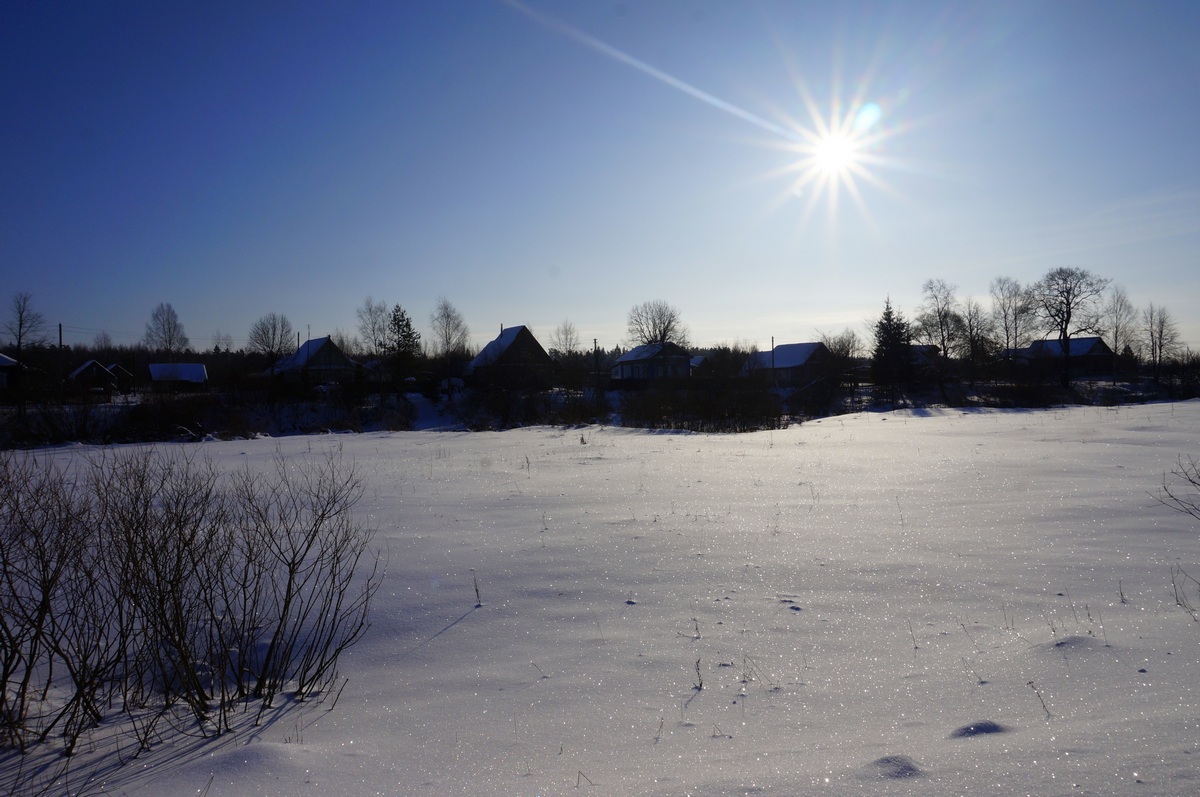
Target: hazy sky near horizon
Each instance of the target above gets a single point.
(548, 159)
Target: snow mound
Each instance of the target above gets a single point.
(254, 767)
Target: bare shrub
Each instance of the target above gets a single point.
(147, 587)
(41, 531)
(305, 548)
(161, 517)
(1182, 497)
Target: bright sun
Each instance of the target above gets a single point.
(837, 154)
(834, 155)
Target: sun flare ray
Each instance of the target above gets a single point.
(834, 153)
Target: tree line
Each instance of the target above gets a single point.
(1065, 304)
(951, 344)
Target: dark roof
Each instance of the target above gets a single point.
(507, 338)
(649, 351)
(178, 372)
(305, 356)
(786, 355)
(87, 366)
(1078, 347)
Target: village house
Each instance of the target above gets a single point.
(9, 370)
(651, 362)
(178, 377)
(1088, 355)
(514, 358)
(789, 364)
(319, 361)
(93, 378)
(123, 377)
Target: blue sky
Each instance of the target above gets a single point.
(549, 160)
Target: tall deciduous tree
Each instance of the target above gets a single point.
(940, 321)
(844, 348)
(979, 337)
(373, 325)
(350, 345)
(164, 332)
(1012, 313)
(564, 341)
(222, 342)
(24, 324)
(451, 336)
(656, 321)
(273, 336)
(1162, 336)
(1120, 323)
(1067, 301)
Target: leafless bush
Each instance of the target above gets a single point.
(41, 531)
(304, 547)
(1183, 493)
(147, 587)
(161, 520)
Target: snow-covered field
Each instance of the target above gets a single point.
(925, 603)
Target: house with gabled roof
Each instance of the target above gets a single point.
(124, 378)
(178, 377)
(650, 362)
(319, 361)
(1079, 349)
(514, 357)
(789, 364)
(1087, 355)
(9, 368)
(92, 377)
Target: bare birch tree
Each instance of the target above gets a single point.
(1162, 336)
(1120, 321)
(373, 325)
(164, 332)
(25, 325)
(1012, 312)
(564, 341)
(939, 321)
(451, 336)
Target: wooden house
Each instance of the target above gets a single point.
(93, 378)
(790, 364)
(178, 377)
(319, 361)
(651, 362)
(514, 358)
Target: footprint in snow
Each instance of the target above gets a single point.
(981, 728)
(895, 767)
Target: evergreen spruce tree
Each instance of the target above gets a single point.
(403, 341)
(891, 358)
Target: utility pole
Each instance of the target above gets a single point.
(774, 378)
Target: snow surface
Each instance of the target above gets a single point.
(915, 603)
